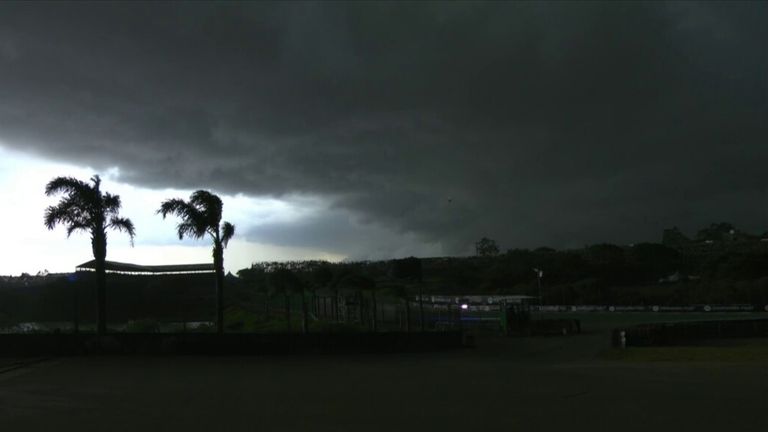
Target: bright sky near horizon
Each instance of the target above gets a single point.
(29, 247)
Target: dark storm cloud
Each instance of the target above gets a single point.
(533, 123)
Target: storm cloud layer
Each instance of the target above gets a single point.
(557, 124)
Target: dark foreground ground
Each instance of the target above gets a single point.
(542, 384)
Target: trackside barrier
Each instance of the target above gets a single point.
(688, 333)
(650, 308)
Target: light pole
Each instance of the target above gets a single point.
(539, 274)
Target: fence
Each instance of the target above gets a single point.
(688, 333)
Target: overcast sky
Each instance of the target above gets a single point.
(376, 130)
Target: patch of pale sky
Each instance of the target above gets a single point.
(31, 248)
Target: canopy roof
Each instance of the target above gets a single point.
(118, 267)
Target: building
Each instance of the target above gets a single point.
(136, 269)
(178, 292)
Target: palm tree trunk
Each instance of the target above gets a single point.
(218, 262)
(99, 245)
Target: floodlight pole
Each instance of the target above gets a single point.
(539, 273)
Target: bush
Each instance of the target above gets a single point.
(145, 325)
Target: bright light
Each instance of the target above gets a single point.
(465, 306)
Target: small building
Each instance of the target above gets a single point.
(136, 269)
(477, 300)
(175, 292)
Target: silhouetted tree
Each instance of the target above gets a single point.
(652, 261)
(322, 276)
(201, 215)
(278, 281)
(486, 247)
(717, 232)
(673, 237)
(409, 269)
(372, 288)
(85, 208)
(255, 278)
(354, 280)
(401, 292)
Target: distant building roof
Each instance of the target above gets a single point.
(477, 299)
(118, 267)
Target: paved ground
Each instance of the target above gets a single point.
(523, 384)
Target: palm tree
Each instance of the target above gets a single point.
(85, 208)
(201, 215)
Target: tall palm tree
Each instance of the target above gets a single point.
(85, 208)
(201, 215)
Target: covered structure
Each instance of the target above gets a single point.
(169, 293)
(136, 269)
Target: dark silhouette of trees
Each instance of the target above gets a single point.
(355, 280)
(321, 279)
(401, 292)
(673, 237)
(651, 261)
(199, 216)
(285, 281)
(716, 232)
(255, 279)
(486, 247)
(85, 208)
(410, 270)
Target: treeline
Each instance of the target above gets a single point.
(645, 273)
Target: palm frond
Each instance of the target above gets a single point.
(193, 222)
(112, 203)
(209, 204)
(69, 186)
(124, 225)
(190, 229)
(176, 206)
(84, 208)
(77, 226)
(227, 232)
(68, 211)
